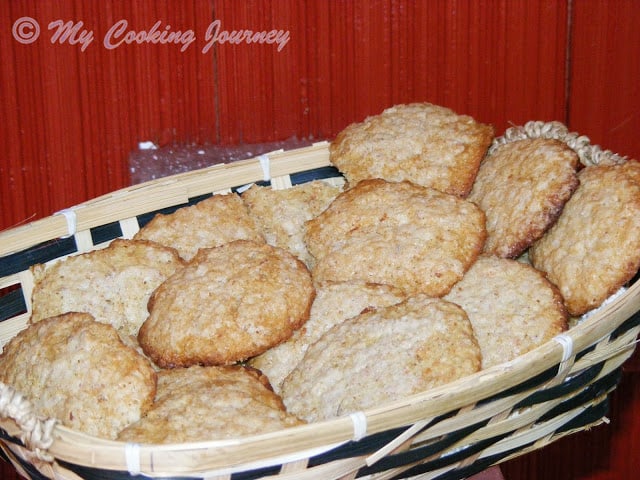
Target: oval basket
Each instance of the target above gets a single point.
(449, 432)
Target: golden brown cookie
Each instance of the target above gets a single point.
(334, 303)
(209, 223)
(522, 188)
(512, 307)
(412, 237)
(210, 403)
(113, 284)
(78, 371)
(594, 247)
(229, 303)
(424, 143)
(281, 214)
(381, 356)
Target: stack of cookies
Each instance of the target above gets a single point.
(432, 258)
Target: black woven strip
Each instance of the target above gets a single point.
(240, 188)
(256, 474)
(565, 388)
(12, 304)
(89, 473)
(590, 416)
(528, 384)
(597, 389)
(315, 174)
(145, 218)
(4, 457)
(586, 418)
(592, 391)
(199, 198)
(627, 325)
(417, 454)
(364, 446)
(631, 322)
(43, 252)
(104, 233)
(455, 457)
(5, 436)
(371, 443)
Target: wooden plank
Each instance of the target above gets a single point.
(605, 66)
(73, 116)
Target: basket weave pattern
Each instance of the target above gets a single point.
(450, 432)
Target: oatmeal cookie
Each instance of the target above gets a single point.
(334, 303)
(412, 237)
(209, 223)
(229, 303)
(281, 214)
(113, 284)
(381, 356)
(427, 144)
(512, 307)
(210, 403)
(78, 371)
(522, 188)
(594, 247)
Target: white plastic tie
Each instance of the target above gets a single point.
(567, 345)
(265, 163)
(132, 456)
(359, 420)
(567, 350)
(244, 188)
(72, 221)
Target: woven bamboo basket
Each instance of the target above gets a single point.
(449, 432)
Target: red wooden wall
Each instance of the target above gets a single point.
(70, 117)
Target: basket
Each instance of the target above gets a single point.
(449, 432)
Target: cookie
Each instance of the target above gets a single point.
(594, 247)
(209, 223)
(334, 303)
(210, 403)
(512, 307)
(281, 214)
(78, 371)
(415, 238)
(427, 144)
(522, 188)
(113, 284)
(382, 356)
(229, 303)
